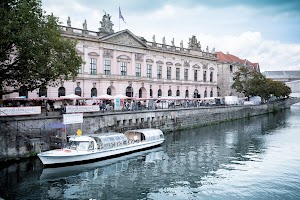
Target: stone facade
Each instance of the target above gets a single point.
(123, 63)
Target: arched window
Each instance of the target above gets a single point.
(23, 92)
(129, 91)
(78, 91)
(93, 92)
(205, 94)
(108, 91)
(151, 93)
(169, 92)
(211, 76)
(61, 91)
(178, 93)
(159, 93)
(211, 93)
(187, 93)
(43, 91)
(140, 93)
(204, 76)
(196, 94)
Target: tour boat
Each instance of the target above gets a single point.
(96, 146)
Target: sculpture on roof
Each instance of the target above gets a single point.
(106, 24)
(173, 42)
(207, 50)
(153, 39)
(69, 22)
(84, 25)
(194, 44)
(213, 50)
(181, 44)
(164, 40)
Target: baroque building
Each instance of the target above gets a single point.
(123, 63)
(228, 64)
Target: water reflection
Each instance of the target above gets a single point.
(231, 160)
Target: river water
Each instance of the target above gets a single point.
(255, 158)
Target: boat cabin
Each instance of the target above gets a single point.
(142, 135)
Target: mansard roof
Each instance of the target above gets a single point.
(125, 37)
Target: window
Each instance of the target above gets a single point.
(211, 93)
(108, 91)
(107, 65)
(178, 93)
(79, 71)
(151, 93)
(149, 71)
(123, 68)
(138, 69)
(93, 66)
(231, 68)
(187, 93)
(169, 73)
(196, 94)
(159, 72)
(61, 91)
(195, 75)
(159, 93)
(43, 91)
(186, 72)
(211, 76)
(93, 92)
(205, 94)
(169, 92)
(204, 76)
(177, 73)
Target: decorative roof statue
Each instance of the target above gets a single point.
(153, 39)
(106, 24)
(173, 43)
(164, 40)
(84, 25)
(193, 44)
(207, 50)
(213, 50)
(69, 22)
(181, 44)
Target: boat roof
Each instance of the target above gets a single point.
(146, 130)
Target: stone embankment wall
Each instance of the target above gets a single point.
(21, 137)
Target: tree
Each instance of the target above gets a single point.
(32, 52)
(253, 83)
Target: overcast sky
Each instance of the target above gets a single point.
(263, 31)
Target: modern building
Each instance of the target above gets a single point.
(295, 88)
(228, 64)
(123, 63)
(283, 76)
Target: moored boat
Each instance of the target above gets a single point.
(96, 146)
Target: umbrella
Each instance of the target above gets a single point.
(121, 96)
(71, 96)
(104, 96)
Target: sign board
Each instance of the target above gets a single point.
(81, 109)
(73, 118)
(11, 111)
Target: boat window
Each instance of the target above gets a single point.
(83, 145)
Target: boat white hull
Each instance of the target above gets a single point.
(69, 156)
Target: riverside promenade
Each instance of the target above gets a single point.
(25, 136)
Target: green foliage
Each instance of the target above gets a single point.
(253, 83)
(32, 51)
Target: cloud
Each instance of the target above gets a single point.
(271, 55)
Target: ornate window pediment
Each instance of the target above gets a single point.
(139, 57)
(79, 52)
(149, 61)
(169, 63)
(159, 62)
(93, 54)
(196, 66)
(123, 57)
(178, 64)
(211, 68)
(186, 64)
